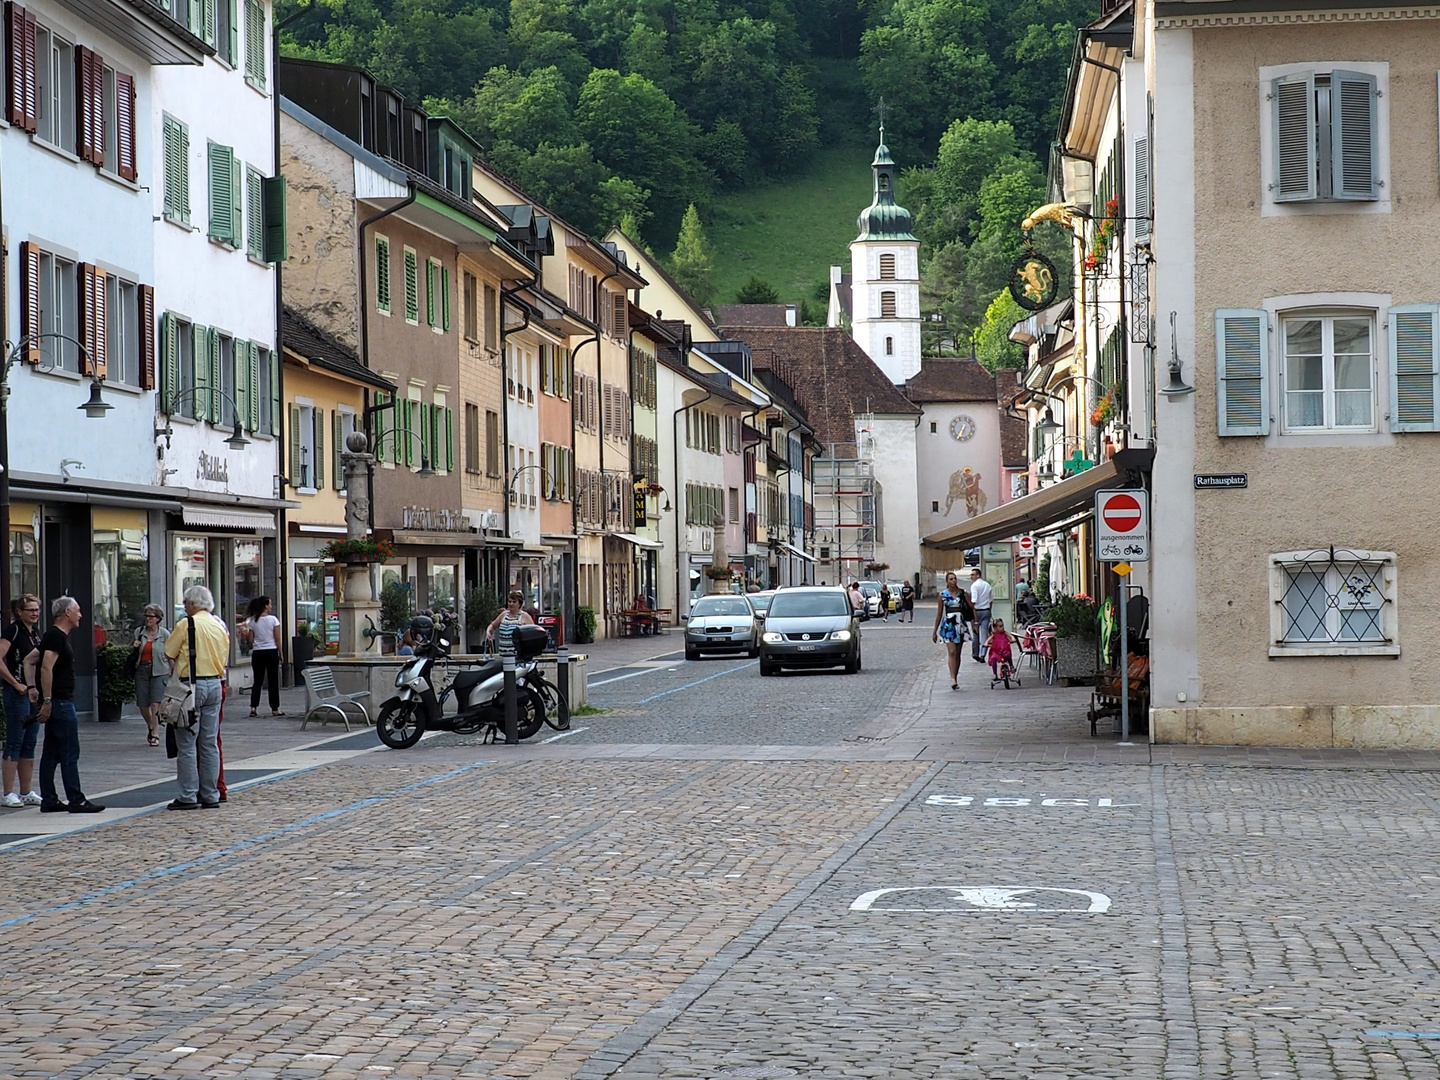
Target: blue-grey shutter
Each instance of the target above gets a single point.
(1292, 100)
(200, 373)
(1142, 204)
(1414, 379)
(1242, 371)
(1354, 150)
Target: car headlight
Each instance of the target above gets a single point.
(772, 637)
(840, 635)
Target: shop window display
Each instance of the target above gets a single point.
(120, 570)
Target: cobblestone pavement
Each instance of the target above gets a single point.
(926, 884)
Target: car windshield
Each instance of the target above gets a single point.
(761, 603)
(870, 588)
(720, 605)
(808, 605)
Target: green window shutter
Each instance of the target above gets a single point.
(255, 44)
(200, 372)
(412, 288)
(274, 242)
(1293, 107)
(296, 464)
(169, 362)
(337, 466)
(430, 292)
(232, 55)
(1414, 367)
(404, 432)
(273, 359)
(195, 19)
(318, 418)
(445, 298)
(240, 358)
(177, 170)
(254, 216)
(1354, 149)
(382, 423)
(208, 7)
(449, 439)
(215, 404)
(237, 203)
(1242, 363)
(382, 274)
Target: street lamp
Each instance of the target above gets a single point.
(510, 487)
(95, 408)
(393, 434)
(1048, 425)
(237, 440)
(1177, 387)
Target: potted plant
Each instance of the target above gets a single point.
(585, 625)
(719, 573)
(302, 646)
(481, 607)
(115, 687)
(358, 552)
(1076, 620)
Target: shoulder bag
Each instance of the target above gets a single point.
(177, 707)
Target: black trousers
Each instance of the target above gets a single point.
(265, 664)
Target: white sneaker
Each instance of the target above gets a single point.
(31, 798)
(12, 800)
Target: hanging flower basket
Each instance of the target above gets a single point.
(364, 550)
(1099, 253)
(1104, 409)
(719, 573)
(877, 567)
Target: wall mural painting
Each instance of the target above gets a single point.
(965, 486)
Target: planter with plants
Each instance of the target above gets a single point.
(584, 625)
(481, 607)
(357, 552)
(1077, 622)
(719, 573)
(115, 687)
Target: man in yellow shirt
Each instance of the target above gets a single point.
(198, 764)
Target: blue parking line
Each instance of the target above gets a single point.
(179, 868)
(687, 686)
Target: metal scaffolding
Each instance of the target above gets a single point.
(847, 509)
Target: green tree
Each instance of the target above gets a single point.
(993, 346)
(692, 263)
(757, 291)
(1007, 195)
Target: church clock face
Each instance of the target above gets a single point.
(962, 428)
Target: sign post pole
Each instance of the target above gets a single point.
(1124, 658)
(1122, 519)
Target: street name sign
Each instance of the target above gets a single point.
(1122, 525)
(1221, 480)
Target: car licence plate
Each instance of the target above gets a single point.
(805, 648)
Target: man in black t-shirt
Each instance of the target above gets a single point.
(56, 681)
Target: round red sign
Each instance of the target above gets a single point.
(1121, 513)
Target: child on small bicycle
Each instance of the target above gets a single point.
(998, 651)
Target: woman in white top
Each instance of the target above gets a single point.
(264, 653)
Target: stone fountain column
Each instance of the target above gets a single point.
(359, 609)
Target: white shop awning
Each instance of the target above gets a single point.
(638, 541)
(793, 550)
(215, 517)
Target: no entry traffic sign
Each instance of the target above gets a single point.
(1122, 525)
(1025, 546)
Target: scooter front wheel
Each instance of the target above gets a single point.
(399, 725)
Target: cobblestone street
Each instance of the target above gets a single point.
(722, 876)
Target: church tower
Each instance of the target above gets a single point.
(885, 278)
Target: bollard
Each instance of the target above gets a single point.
(562, 676)
(512, 718)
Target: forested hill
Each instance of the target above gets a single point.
(609, 110)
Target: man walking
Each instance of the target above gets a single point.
(198, 765)
(56, 682)
(982, 596)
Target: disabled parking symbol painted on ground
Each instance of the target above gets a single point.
(935, 899)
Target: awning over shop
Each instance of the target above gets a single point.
(214, 517)
(638, 541)
(793, 550)
(1033, 512)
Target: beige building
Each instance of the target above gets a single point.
(1296, 228)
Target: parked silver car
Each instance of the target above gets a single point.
(721, 623)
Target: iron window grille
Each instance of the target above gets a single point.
(1333, 600)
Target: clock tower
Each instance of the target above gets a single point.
(885, 278)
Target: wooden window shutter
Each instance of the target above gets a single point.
(96, 88)
(1242, 350)
(337, 455)
(214, 405)
(169, 362)
(276, 246)
(21, 74)
(297, 465)
(1293, 106)
(318, 417)
(273, 358)
(887, 305)
(125, 127)
(1414, 367)
(99, 324)
(887, 265)
(30, 300)
(221, 191)
(1354, 150)
(84, 104)
(85, 303)
(145, 296)
(1143, 208)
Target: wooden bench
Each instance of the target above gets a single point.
(1105, 699)
(323, 698)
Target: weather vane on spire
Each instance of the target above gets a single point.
(879, 110)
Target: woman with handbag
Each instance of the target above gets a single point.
(150, 668)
